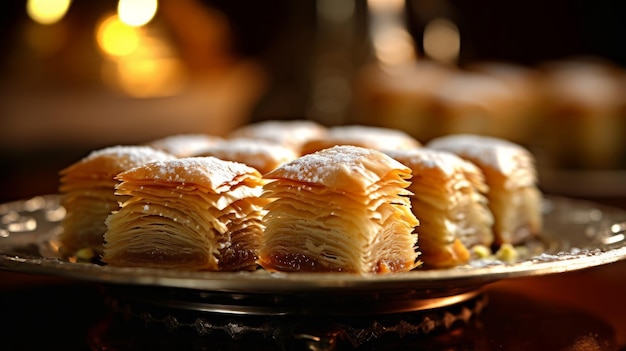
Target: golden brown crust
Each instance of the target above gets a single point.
(341, 209)
(449, 201)
(509, 169)
(377, 138)
(262, 155)
(203, 172)
(196, 213)
(87, 193)
(290, 133)
(344, 167)
(184, 145)
(106, 163)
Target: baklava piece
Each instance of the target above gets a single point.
(370, 137)
(87, 192)
(196, 213)
(184, 145)
(290, 133)
(263, 155)
(509, 169)
(449, 201)
(343, 209)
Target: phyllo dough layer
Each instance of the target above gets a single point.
(261, 154)
(449, 201)
(343, 209)
(377, 138)
(289, 133)
(184, 145)
(195, 213)
(87, 192)
(509, 169)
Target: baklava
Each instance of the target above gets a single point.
(449, 201)
(184, 145)
(263, 155)
(195, 213)
(509, 169)
(87, 192)
(290, 133)
(342, 209)
(370, 137)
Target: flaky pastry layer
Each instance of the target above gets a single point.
(196, 213)
(509, 169)
(87, 193)
(343, 209)
(449, 201)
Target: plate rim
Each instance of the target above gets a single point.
(260, 281)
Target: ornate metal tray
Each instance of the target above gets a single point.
(577, 235)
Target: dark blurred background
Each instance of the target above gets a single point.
(209, 66)
(213, 65)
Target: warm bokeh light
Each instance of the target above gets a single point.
(139, 61)
(136, 12)
(385, 5)
(116, 38)
(442, 40)
(47, 11)
(148, 77)
(394, 46)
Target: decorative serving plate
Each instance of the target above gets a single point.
(577, 235)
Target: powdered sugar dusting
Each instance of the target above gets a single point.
(386, 138)
(288, 132)
(184, 145)
(447, 162)
(493, 152)
(124, 157)
(322, 167)
(209, 171)
(318, 166)
(234, 148)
